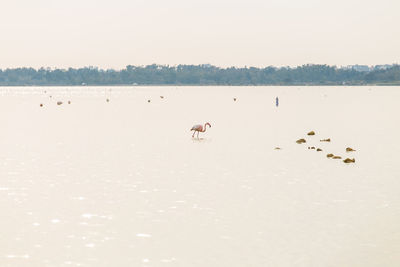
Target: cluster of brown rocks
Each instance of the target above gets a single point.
(107, 100)
(330, 155)
(59, 103)
(149, 100)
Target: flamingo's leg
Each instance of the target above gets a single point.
(193, 133)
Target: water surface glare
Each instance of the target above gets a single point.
(122, 183)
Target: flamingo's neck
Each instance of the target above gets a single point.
(205, 128)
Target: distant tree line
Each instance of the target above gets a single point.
(200, 75)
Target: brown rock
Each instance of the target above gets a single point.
(148, 101)
(349, 149)
(336, 157)
(311, 133)
(319, 149)
(329, 155)
(300, 141)
(69, 102)
(59, 103)
(162, 97)
(41, 105)
(347, 160)
(277, 148)
(313, 147)
(325, 140)
(234, 99)
(108, 100)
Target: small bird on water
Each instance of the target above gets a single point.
(199, 128)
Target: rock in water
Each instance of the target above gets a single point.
(108, 100)
(277, 148)
(336, 157)
(325, 140)
(319, 149)
(162, 97)
(234, 99)
(349, 149)
(311, 133)
(329, 155)
(69, 102)
(148, 101)
(59, 103)
(301, 141)
(347, 160)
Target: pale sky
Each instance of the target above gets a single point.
(113, 34)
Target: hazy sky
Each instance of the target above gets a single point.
(113, 34)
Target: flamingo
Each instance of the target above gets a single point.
(199, 128)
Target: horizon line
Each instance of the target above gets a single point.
(201, 65)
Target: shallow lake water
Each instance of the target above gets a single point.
(123, 183)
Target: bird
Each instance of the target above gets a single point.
(199, 128)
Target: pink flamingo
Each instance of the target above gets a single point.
(199, 128)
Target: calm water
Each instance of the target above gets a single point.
(122, 183)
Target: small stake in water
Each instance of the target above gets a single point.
(277, 101)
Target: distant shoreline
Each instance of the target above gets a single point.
(207, 85)
(205, 75)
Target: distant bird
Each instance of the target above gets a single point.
(199, 128)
